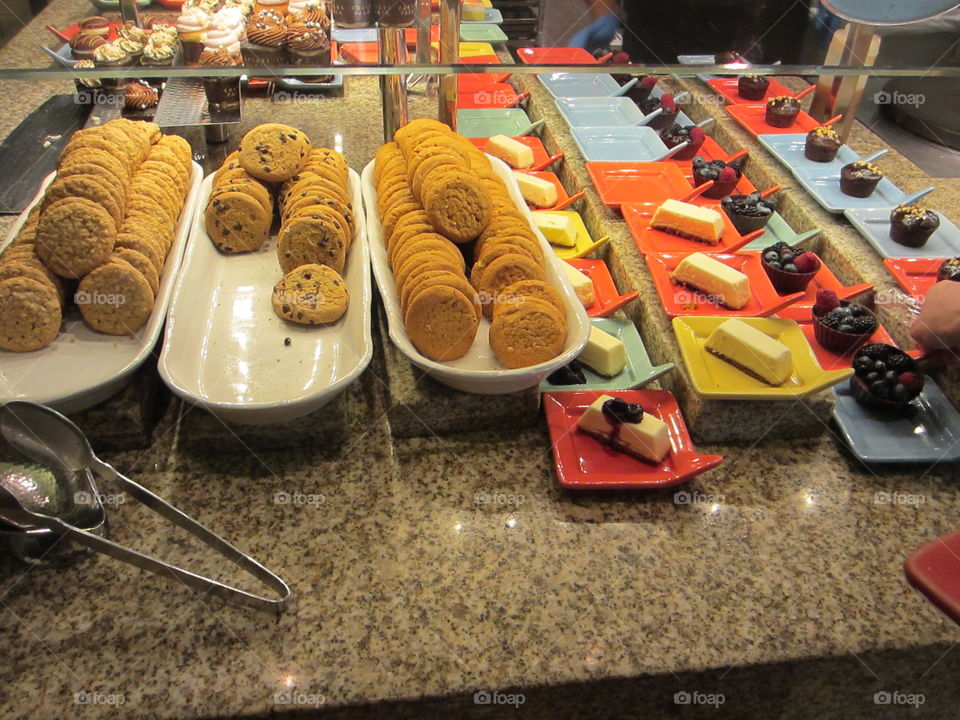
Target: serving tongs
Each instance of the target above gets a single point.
(48, 438)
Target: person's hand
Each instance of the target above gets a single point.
(598, 34)
(937, 327)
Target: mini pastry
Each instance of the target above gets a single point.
(192, 23)
(626, 427)
(720, 282)
(841, 326)
(676, 134)
(949, 270)
(303, 11)
(83, 44)
(821, 144)
(156, 22)
(159, 50)
(85, 85)
(751, 351)
(513, 152)
(782, 111)
(130, 31)
(222, 92)
(582, 285)
(536, 191)
(790, 269)
(748, 212)
(859, 179)
(912, 225)
(725, 176)
(110, 55)
(752, 87)
(95, 25)
(885, 378)
(140, 96)
(688, 221)
(266, 39)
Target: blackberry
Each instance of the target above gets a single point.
(875, 351)
(864, 324)
(899, 362)
(832, 320)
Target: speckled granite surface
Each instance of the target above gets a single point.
(426, 570)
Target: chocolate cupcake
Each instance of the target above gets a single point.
(949, 270)
(752, 87)
(669, 113)
(677, 134)
(87, 87)
(140, 96)
(725, 176)
(822, 144)
(859, 179)
(266, 40)
(782, 111)
(748, 213)
(912, 225)
(222, 92)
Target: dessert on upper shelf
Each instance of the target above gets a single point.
(725, 175)
(688, 221)
(751, 351)
(912, 225)
(627, 428)
(859, 179)
(266, 39)
(721, 283)
(821, 144)
(192, 23)
(676, 134)
(748, 212)
(841, 326)
(83, 44)
(790, 269)
(95, 25)
(885, 378)
(752, 87)
(949, 270)
(782, 111)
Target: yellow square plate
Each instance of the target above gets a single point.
(468, 49)
(585, 244)
(716, 378)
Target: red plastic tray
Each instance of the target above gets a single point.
(555, 56)
(934, 570)
(647, 183)
(495, 95)
(915, 275)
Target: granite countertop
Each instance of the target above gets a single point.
(427, 569)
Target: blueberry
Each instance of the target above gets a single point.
(774, 264)
(844, 311)
(862, 364)
(879, 365)
(786, 255)
(880, 388)
(872, 376)
(890, 375)
(771, 255)
(845, 328)
(900, 393)
(856, 310)
(790, 267)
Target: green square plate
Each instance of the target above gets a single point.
(487, 122)
(776, 231)
(638, 371)
(482, 33)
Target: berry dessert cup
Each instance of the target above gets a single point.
(912, 225)
(859, 179)
(841, 326)
(885, 378)
(752, 87)
(748, 212)
(676, 134)
(790, 269)
(668, 112)
(725, 176)
(782, 111)
(640, 92)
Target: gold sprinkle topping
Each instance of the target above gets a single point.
(825, 131)
(861, 165)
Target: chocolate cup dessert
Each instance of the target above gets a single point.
(786, 282)
(867, 374)
(782, 111)
(723, 183)
(677, 134)
(822, 144)
(912, 225)
(747, 212)
(859, 179)
(752, 87)
(842, 342)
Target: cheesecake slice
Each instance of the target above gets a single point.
(605, 354)
(752, 351)
(626, 427)
(688, 221)
(721, 283)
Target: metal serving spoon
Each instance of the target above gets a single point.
(47, 437)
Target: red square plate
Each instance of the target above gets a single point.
(583, 462)
(727, 87)
(541, 158)
(914, 275)
(656, 241)
(640, 183)
(753, 118)
(555, 56)
(606, 298)
(828, 281)
(934, 570)
(481, 60)
(828, 359)
(495, 95)
(678, 300)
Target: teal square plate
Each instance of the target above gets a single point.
(619, 144)
(480, 32)
(488, 122)
(638, 371)
(874, 225)
(777, 230)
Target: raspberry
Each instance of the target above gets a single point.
(649, 81)
(727, 175)
(667, 103)
(865, 324)
(621, 58)
(696, 135)
(911, 380)
(826, 301)
(807, 262)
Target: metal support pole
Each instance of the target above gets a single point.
(449, 55)
(393, 88)
(424, 20)
(129, 12)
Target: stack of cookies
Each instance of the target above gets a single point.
(106, 221)
(433, 187)
(311, 188)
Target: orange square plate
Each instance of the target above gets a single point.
(495, 95)
(656, 241)
(753, 118)
(640, 183)
(582, 462)
(555, 56)
(606, 297)
(678, 300)
(727, 87)
(914, 275)
(828, 281)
